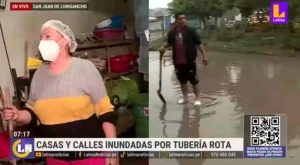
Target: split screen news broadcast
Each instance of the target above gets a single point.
(149, 82)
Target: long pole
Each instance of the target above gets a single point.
(9, 65)
(8, 101)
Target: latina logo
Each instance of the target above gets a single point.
(22, 148)
(279, 13)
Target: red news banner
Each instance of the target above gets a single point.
(26, 6)
(20, 6)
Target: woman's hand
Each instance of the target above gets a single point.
(20, 116)
(11, 113)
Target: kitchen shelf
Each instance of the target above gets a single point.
(107, 45)
(103, 44)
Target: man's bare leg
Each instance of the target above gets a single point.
(184, 89)
(196, 91)
(197, 94)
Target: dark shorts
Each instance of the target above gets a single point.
(187, 72)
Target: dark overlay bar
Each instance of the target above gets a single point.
(162, 155)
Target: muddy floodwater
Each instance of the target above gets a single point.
(232, 85)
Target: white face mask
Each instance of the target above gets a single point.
(49, 50)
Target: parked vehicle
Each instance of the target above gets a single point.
(254, 22)
(230, 24)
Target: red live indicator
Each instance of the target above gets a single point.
(20, 6)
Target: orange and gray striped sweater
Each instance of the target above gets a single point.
(71, 104)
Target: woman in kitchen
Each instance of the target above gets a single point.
(67, 96)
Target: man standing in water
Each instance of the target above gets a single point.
(184, 41)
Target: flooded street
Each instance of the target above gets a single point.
(232, 85)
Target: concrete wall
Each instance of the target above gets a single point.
(21, 26)
(162, 22)
(155, 26)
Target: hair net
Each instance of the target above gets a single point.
(64, 30)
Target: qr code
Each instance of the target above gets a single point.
(265, 130)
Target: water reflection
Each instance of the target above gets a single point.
(234, 72)
(231, 86)
(270, 70)
(189, 128)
